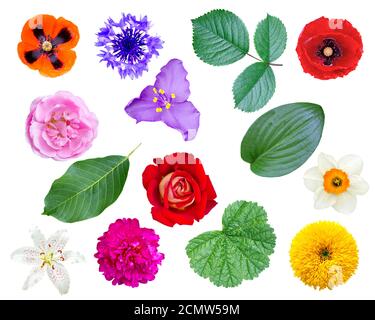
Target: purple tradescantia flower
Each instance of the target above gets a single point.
(167, 101)
(127, 45)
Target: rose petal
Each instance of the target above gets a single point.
(151, 173)
(313, 179)
(157, 214)
(326, 163)
(346, 203)
(211, 193)
(183, 117)
(153, 194)
(351, 164)
(358, 186)
(172, 79)
(180, 217)
(323, 199)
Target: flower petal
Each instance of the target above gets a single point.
(313, 179)
(73, 257)
(57, 241)
(351, 164)
(323, 199)
(346, 203)
(326, 163)
(183, 117)
(172, 79)
(35, 276)
(38, 238)
(65, 34)
(27, 255)
(158, 215)
(358, 186)
(143, 108)
(59, 277)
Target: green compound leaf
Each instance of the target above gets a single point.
(239, 252)
(254, 87)
(87, 189)
(270, 39)
(282, 140)
(220, 38)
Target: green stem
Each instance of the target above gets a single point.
(269, 63)
(134, 150)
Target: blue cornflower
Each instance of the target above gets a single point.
(127, 46)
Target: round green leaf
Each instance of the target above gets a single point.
(254, 87)
(87, 189)
(220, 38)
(239, 252)
(270, 38)
(282, 140)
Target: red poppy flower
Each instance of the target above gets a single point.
(329, 49)
(46, 45)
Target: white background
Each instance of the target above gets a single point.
(26, 178)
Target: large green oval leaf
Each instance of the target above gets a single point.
(87, 189)
(270, 38)
(254, 87)
(220, 38)
(282, 139)
(239, 252)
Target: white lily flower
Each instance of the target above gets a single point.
(336, 183)
(48, 256)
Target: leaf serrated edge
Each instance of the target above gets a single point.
(195, 20)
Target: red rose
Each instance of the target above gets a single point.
(329, 49)
(179, 189)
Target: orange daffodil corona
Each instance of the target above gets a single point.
(336, 183)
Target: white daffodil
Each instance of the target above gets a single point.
(336, 183)
(48, 256)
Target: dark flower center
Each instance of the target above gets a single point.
(329, 51)
(47, 46)
(325, 254)
(337, 182)
(130, 46)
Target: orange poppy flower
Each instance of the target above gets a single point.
(47, 45)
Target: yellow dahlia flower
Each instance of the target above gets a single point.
(324, 255)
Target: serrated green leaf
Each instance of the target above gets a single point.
(87, 189)
(239, 252)
(220, 38)
(254, 87)
(270, 38)
(282, 140)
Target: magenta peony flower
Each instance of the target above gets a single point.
(60, 126)
(128, 254)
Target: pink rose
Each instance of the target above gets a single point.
(60, 126)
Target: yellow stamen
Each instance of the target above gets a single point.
(47, 259)
(47, 46)
(336, 181)
(328, 52)
(158, 110)
(155, 100)
(168, 106)
(173, 96)
(155, 91)
(161, 91)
